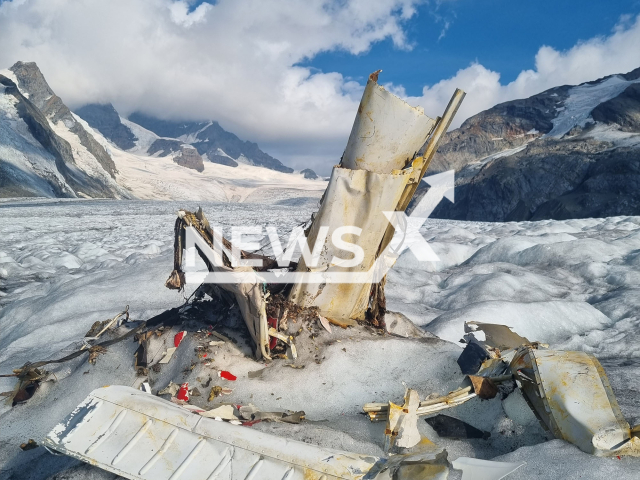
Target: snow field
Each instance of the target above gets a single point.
(573, 284)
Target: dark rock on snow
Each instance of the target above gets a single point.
(189, 158)
(105, 119)
(308, 173)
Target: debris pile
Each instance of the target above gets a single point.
(388, 152)
(568, 392)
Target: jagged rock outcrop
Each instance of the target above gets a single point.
(189, 158)
(623, 110)
(31, 80)
(44, 149)
(105, 119)
(506, 126)
(222, 160)
(166, 128)
(34, 159)
(164, 147)
(308, 173)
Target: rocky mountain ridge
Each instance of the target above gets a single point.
(211, 141)
(568, 152)
(45, 149)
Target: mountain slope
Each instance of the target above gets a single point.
(210, 139)
(568, 152)
(105, 119)
(48, 151)
(181, 174)
(45, 149)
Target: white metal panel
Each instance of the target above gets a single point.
(139, 436)
(571, 394)
(386, 133)
(353, 198)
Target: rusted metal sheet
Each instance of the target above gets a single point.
(387, 131)
(355, 198)
(570, 393)
(385, 140)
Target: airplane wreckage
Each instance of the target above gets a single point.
(138, 435)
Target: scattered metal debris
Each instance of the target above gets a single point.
(178, 338)
(223, 412)
(183, 392)
(495, 336)
(171, 389)
(227, 375)
(94, 352)
(402, 423)
(325, 323)
(379, 412)
(98, 328)
(256, 373)
(471, 358)
(252, 414)
(568, 391)
(168, 354)
(485, 387)
(217, 390)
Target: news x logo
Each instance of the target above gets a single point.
(407, 236)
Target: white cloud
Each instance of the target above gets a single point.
(235, 61)
(180, 13)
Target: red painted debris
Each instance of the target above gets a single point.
(227, 375)
(183, 393)
(250, 423)
(273, 341)
(178, 338)
(204, 355)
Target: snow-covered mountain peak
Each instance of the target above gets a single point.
(583, 99)
(44, 150)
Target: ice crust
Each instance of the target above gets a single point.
(573, 284)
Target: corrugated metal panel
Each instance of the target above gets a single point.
(139, 436)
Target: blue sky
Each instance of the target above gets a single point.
(502, 35)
